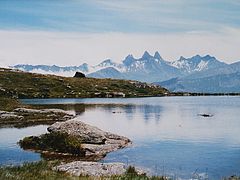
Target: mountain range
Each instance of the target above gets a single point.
(194, 74)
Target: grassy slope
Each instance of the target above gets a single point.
(7, 104)
(29, 85)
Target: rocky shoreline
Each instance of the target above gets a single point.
(94, 145)
(94, 142)
(21, 117)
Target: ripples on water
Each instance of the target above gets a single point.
(169, 136)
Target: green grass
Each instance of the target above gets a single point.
(43, 170)
(232, 178)
(17, 84)
(8, 104)
(53, 142)
(32, 171)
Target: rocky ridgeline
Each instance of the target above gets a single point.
(95, 142)
(95, 169)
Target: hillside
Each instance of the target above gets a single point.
(222, 83)
(18, 84)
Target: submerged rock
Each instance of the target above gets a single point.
(78, 168)
(95, 142)
(206, 115)
(42, 111)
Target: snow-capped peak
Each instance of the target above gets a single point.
(196, 63)
(128, 60)
(107, 62)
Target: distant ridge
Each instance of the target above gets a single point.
(153, 68)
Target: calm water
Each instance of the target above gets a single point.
(10, 153)
(169, 137)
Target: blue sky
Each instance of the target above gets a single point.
(37, 30)
(135, 16)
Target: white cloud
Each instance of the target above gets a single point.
(76, 48)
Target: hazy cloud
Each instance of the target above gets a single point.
(74, 31)
(76, 48)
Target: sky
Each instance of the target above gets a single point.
(71, 32)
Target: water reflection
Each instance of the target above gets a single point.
(169, 137)
(161, 118)
(10, 152)
(78, 109)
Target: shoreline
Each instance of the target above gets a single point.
(95, 145)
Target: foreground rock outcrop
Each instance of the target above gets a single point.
(95, 169)
(75, 138)
(95, 142)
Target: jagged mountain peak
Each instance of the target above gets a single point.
(130, 56)
(197, 57)
(205, 58)
(208, 57)
(128, 60)
(107, 61)
(157, 56)
(146, 55)
(182, 58)
(197, 63)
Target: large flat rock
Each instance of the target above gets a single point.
(95, 142)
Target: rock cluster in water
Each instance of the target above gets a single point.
(95, 142)
(4, 115)
(25, 116)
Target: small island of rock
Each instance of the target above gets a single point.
(76, 138)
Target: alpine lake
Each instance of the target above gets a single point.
(170, 136)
